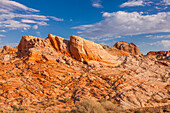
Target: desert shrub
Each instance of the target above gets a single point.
(109, 106)
(66, 99)
(89, 106)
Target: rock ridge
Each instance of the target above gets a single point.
(78, 48)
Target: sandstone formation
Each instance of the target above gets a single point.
(128, 47)
(160, 54)
(60, 44)
(114, 51)
(8, 49)
(84, 50)
(77, 48)
(56, 80)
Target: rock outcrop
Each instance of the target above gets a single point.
(37, 48)
(160, 54)
(60, 44)
(114, 51)
(28, 42)
(8, 49)
(128, 47)
(77, 48)
(84, 50)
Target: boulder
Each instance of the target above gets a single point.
(128, 47)
(84, 50)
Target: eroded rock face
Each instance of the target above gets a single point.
(28, 42)
(84, 50)
(37, 48)
(60, 44)
(160, 54)
(128, 47)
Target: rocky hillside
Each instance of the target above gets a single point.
(55, 74)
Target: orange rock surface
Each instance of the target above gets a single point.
(84, 50)
(128, 47)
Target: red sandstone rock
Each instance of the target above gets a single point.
(60, 44)
(128, 47)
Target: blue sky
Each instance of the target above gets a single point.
(143, 22)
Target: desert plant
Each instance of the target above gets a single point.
(89, 106)
(110, 107)
(66, 99)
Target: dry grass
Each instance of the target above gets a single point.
(89, 106)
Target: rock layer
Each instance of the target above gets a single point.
(128, 47)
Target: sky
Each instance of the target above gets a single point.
(146, 23)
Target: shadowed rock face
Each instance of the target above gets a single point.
(128, 47)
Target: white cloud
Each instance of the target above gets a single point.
(2, 36)
(56, 19)
(2, 31)
(28, 21)
(12, 5)
(164, 43)
(158, 36)
(11, 18)
(12, 24)
(124, 23)
(132, 3)
(167, 2)
(97, 3)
